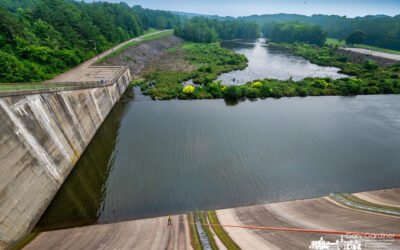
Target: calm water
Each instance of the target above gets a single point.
(267, 62)
(158, 158)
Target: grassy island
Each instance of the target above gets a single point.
(206, 61)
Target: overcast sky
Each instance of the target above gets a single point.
(351, 8)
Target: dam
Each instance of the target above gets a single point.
(43, 133)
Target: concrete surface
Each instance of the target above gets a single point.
(41, 138)
(375, 53)
(139, 234)
(388, 197)
(317, 214)
(42, 135)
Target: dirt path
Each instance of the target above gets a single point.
(139, 234)
(375, 53)
(87, 72)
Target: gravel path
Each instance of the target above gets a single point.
(375, 53)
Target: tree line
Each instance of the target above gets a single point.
(295, 32)
(380, 30)
(207, 30)
(40, 38)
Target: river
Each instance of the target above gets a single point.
(153, 158)
(268, 62)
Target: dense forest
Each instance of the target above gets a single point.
(40, 38)
(201, 29)
(381, 31)
(291, 32)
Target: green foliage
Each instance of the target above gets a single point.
(370, 65)
(357, 36)
(209, 61)
(203, 30)
(193, 234)
(319, 83)
(202, 216)
(233, 92)
(220, 232)
(41, 38)
(213, 60)
(297, 32)
(381, 31)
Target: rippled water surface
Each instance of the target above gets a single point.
(158, 158)
(267, 62)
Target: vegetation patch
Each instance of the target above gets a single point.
(210, 235)
(210, 60)
(221, 233)
(203, 64)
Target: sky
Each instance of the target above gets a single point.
(350, 8)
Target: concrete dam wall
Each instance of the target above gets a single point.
(42, 135)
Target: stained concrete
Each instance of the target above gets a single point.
(139, 234)
(316, 214)
(42, 135)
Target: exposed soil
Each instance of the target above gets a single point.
(172, 61)
(137, 56)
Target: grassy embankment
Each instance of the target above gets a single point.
(221, 233)
(146, 38)
(357, 201)
(203, 220)
(211, 60)
(341, 43)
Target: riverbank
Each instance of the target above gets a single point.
(202, 63)
(317, 214)
(364, 78)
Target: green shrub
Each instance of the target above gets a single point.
(233, 92)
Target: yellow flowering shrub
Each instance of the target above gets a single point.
(256, 85)
(188, 89)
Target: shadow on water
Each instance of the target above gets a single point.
(79, 200)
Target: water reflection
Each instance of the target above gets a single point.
(80, 200)
(268, 62)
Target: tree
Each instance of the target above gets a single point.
(297, 32)
(201, 29)
(357, 36)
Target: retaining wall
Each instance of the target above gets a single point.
(42, 135)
